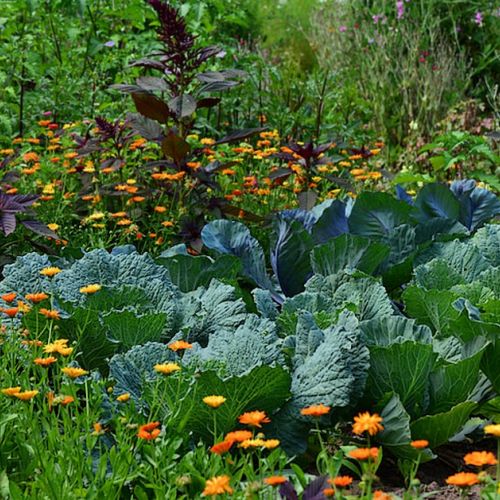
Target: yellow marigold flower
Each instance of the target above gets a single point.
(463, 479)
(89, 289)
(53, 227)
(50, 271)
(26, 395)
(254, 418)
(206, 141)
(180, 345)
(253, 443)
(271, 443)
(96, 216)
(364, 422)
(58, 346)
(74, 371)
(45, 361)
(493, 429)
(123, 398)
(11, 391)
(167, 223)
(217, 485)
(480, 458)
(214, 401)
(167, 368)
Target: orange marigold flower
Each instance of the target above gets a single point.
(217, 485)
(463, 479)
(364, 453)
(50, 313)
(9, 297)
(493, 429)
(26, 395)
(380, 495)
(364, 422)
(480, 458)
(238, 436)
(74, 371)
(179, 345)
(341, 481)
(329, 492)
(36, 297)
(11, 391)
(66, 400)
(254, 418)
(50, 271)
(149, 431)
(30, 156)
(45, 361)
(420, 444)
(214, 401)
(315, 410)
(10, 312)
(275, 480)
(222, 447)
(167, 368)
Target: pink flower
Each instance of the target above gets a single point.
(343, 29)
(478, 18)
(400, 7)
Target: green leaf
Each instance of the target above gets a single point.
(394, 329)
(439, 428)
(376, 215)
(436, 200)
(453, 383)
(490, 362)
(396, 436)
(189, 272)
(403, 369)
(348, 252)
(290, 256)
(265, 388)
(130, 328)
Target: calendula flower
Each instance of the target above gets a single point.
(66, 400)
(89, 289)
(149, 431)
(214, 401)
(167, 368)
(9, 297)
(50, 271)
(179, 345)
(253, 443)
(419, 444)
(50, 313)
(98, 430)
(11, 312)
(222, 447)
(380, 495)
(238, 436)
(315, 410)
(329, 492)
(341, 481)
(463, 479)
(45, 361)
(26, 395)
(480, 458)
(217, 485)
(271, 443)
(74, 371)
(123, 398)
(364, 422)
(364, 453)
(11, 391)
(36, 297)
(493, 429)
(59, 346)
(254, 418)
(275, 480)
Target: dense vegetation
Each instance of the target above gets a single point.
(249, 249)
